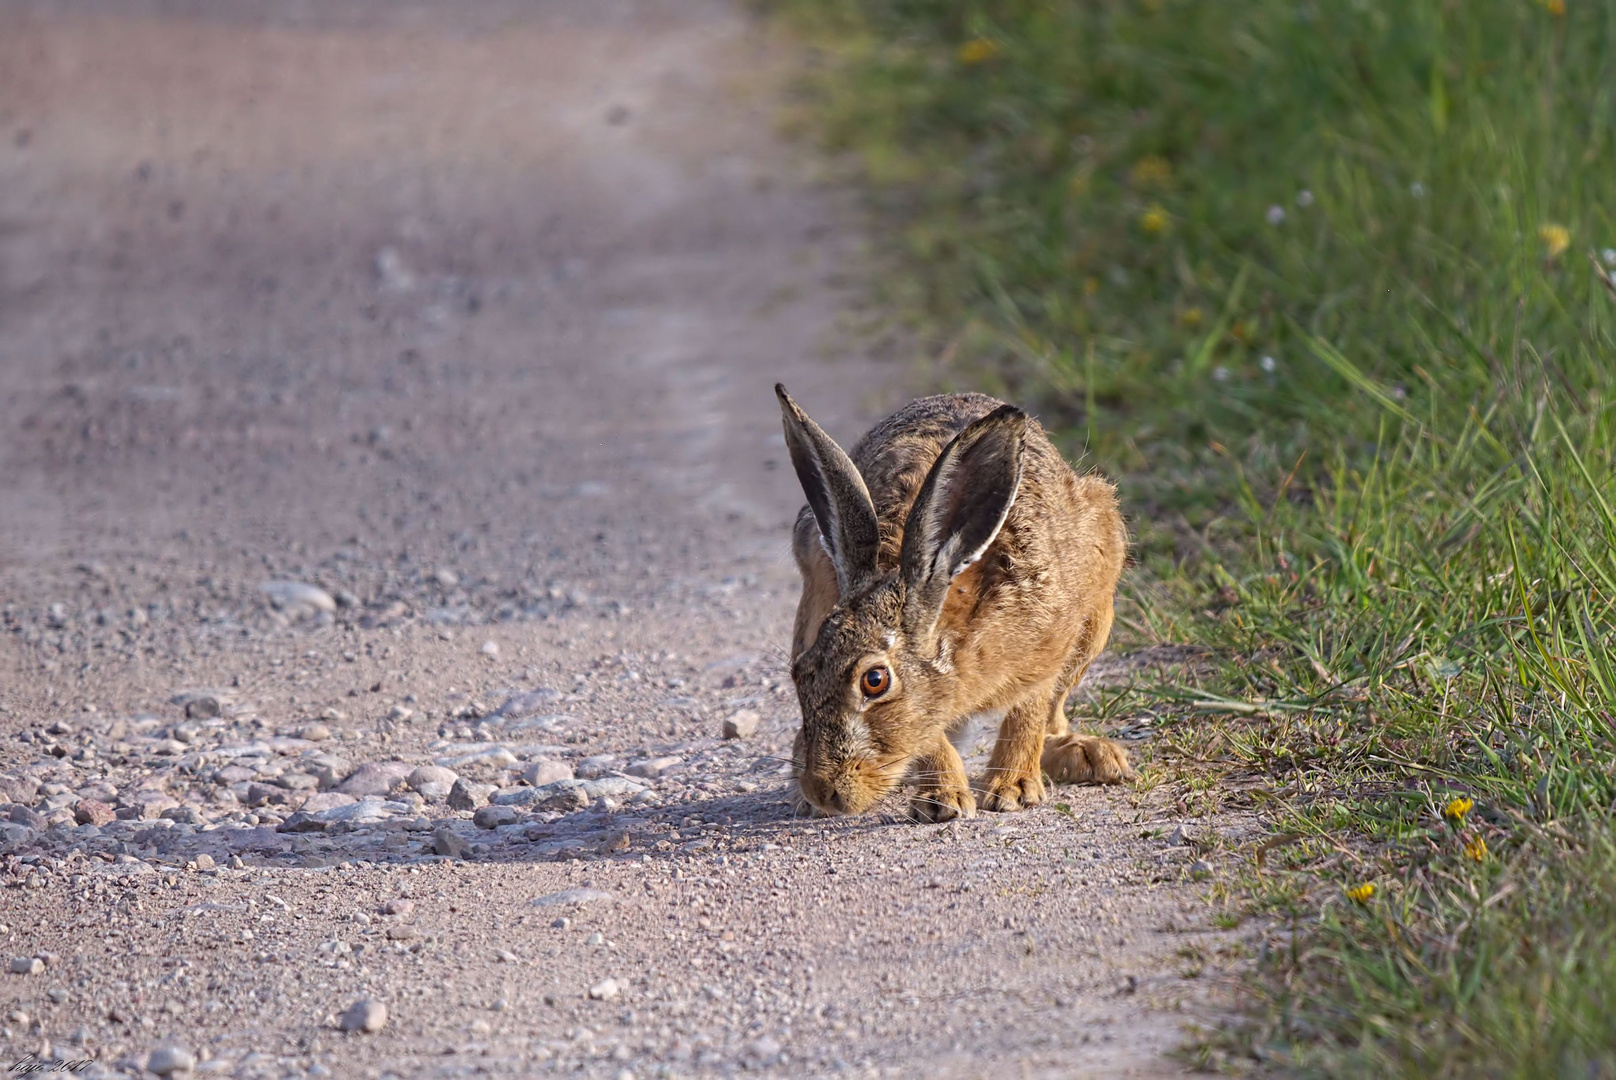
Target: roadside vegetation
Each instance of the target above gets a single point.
(1325, 285)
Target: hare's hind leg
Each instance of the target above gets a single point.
(1069, 758)
(1015, 775)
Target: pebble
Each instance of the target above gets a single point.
(579, 896)
(591, 767)
(314, 732)
(490, 649)
(561, 923)
(597, 938)
(367, 1014)
(492, 817)
(505, 956)
(742, 724)
(402, 905)
(447, 842)
(399, 714)
(1200, 868)
(93, 812)
(168, 1060)
(545, 771)
(466, 796)
(377, 778)
(432, 781)
(205, 861)
(607, 990)
(298, 598)
(27, 965)
(652, 768)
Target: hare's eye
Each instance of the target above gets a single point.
(874, 682)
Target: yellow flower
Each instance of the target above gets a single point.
(1190, 318)
(1476, 848)
(1554, 7)
(1091, 285)
(1151, 170)
(1361, 893)
(1154, 220)
(1457, 809)
(1556, 238)
(978, 50)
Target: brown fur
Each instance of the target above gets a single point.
(1016, 631)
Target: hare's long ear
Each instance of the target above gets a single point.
(836, 494)
(960, 509)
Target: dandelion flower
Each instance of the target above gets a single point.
(978, 51)
(1361, 893)
(1476, 849)
(1154, 220)
(1152, 170)
(1556, 238)
(1457, 808)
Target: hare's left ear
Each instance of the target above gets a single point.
(960, 509)
(837, 496)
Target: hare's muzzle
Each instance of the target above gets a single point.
(846, 789)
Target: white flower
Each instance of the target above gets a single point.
(1417, 190)
(1276, 214)
(1267, 364)
(1220, 373)
(1304, 198)
(1609, 255)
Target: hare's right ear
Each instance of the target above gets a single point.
(957, 514)
(836, 494)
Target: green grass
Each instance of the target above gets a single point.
(1313, 281)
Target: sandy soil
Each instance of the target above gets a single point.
(455, 327)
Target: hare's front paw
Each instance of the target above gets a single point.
(1086, 759)
(1007, 790)
(942, 804)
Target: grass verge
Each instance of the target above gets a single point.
(1326, 285)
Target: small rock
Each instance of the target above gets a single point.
(377, 778)
(439, 780)
(327, 800)
(447, 842)
(205, 861)
(607, 990)
(545, 771)
(314, 732)
(652, 768)
(490, 649)
(168, 1060)
(1200, 868)
(204, 705)
(446, 577)
(297, 598)
(93, 812)
(562, 923)
(402, 905)
(765, 1051)
(592, 767)
(27, 965)
(301, 822)
(366, 1014)
(399, 714)
(492, 817)
(402, 933)
(465, 796)
(579, 896)
(597, 938)
(742, 724)
(505, 956)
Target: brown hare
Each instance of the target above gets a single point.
(953, 565)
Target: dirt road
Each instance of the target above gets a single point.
(386, 428)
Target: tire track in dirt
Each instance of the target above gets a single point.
(468, 315)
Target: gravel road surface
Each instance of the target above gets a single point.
(394, 580)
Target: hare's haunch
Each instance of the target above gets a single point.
(955, 564)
